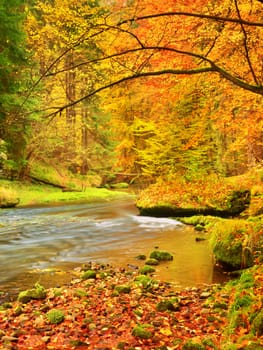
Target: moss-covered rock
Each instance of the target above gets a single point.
(55, 316)
(141, 331)
(89, 274)
(146, 269)
(168, 305)
(152, 262)
(210, 196)
(161, 255)
(234, 242)
(145, 282)
(124, 288)
(199, 227)
(38, 292)
(141, 257)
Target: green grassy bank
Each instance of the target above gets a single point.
(35, 194)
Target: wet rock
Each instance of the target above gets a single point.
(205, 295)
(141, 257)
(234, 204)
(38, 292)
(161, 255)
(152, 262)
(146, 269)
(167, 305)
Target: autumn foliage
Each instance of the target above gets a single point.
(99, 313)
(143, 88)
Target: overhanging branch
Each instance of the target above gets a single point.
(196, 15)
(213, 68)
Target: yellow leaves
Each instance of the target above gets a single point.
(166, 331)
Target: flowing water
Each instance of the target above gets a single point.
(39, 243)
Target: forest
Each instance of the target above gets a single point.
(131, 87)
(165, 97)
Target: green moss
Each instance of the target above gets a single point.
(167, 305)
(220, 305)
(141, 331)
(145, 282)
(141, 257)
(199, 227)
(246, 280)
(241, 301)
(152, 262)
(229, 346)
(209, 342)
(120, 185)
(257, 325)
(89, 274)
(122, 289)
(232, 243)
(55, 316)
(80, 293)
(161, 255)
(190, 345)
(236, 320)
(38, 292)
(146, 269)
(18, 310)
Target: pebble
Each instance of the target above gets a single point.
(205, 295)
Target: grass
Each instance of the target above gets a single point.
(33, 194)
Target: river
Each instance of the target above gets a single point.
(43, 244)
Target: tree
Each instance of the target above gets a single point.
(14, 83)
(75, 137)
(218, 45)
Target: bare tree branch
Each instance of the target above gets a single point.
(246, 44)
(197, 15)
(213, 68)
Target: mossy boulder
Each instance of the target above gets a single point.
(161, 255)
(141, 257)
(141, 331)
(152, 262)
(55, 316)
(207, 196)
(168, 305)
(146, 269)
(145, 282)
(38, 292)
(199, 227)
(122, 289)
(89, 274)
(232, 243)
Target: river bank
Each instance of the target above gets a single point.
(119, 309)
(114, 308)
(28, 194)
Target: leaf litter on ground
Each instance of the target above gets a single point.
(116, 309)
